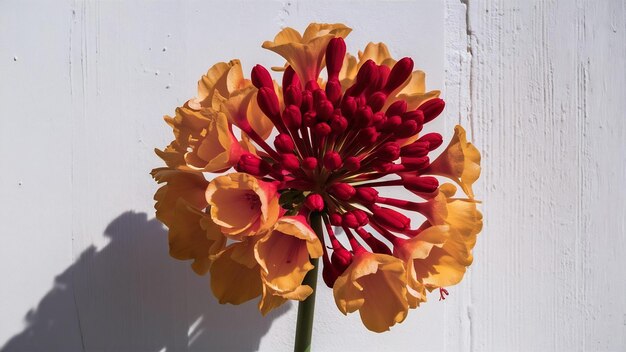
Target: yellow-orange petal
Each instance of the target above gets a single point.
(305, 53)
(189, 186)
(284, 253)
(272, 299)
(173, 155)
(419, 247)
(241, 204)
(235, 275)
(216, 149)
(460, 162)
(242, 106)
(377, 52)
(370, 280)
(192, 235)
(218, 84)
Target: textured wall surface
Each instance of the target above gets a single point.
(539, 85)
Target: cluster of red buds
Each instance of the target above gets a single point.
(333, 147)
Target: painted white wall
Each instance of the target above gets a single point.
(83, 85)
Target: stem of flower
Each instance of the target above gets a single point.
(306, 308)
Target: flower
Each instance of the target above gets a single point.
(284, 253)
(305, 53)
(375, 285)
(241, 204)
(321, 151)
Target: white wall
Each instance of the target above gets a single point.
(540, 85)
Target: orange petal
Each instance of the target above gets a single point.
(459, 162)
(368, 281)
(192, 235)
(235, 276)
(284, 253)
(189, 186)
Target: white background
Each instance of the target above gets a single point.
(539, 85)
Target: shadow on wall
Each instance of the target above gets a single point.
(131, 296)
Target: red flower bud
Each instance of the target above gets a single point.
(290, 78)
(367, 75)
(261, 78)
(349, 220)
(338, 124)
(416, 149)
(284, 143)
(352, 163)
(361, 217)
(407, 128)
(332, 160)
(307, 101)
(397, 108)
(432, 108)
(342, 191)
(330, 274)
(389, 151)
(421, 184)
(290, 162)
(319, 96)
(335, 52)
(383, 76)
(314, 202)
(366, 195)
(377, 101)
(309, 163)
(253, 165)
(335, 219)
(415, 163)
(292, 117)
(341, 258)
(368, 135)
(268, 102)
(399, 73)
(293, 95)
(377, 118)
(348, 106)
(321, 129)
(434, 140)
(309, 119)
(363, 117)
(324, 110)
(391, 124)
(415, 115)
(391, 219)
(333, 91)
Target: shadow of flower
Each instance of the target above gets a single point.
(131, 296)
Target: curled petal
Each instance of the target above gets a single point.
(218, 84)
(419, 247)
(272, 299)
(459, 162)
(305, 53)
(189, 186)
(369, 281)
(216, 148)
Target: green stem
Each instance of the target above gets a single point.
(306, 308)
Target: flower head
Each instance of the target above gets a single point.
(320, 148)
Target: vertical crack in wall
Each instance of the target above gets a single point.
(470, 57)
(470, 54)
(73, 23)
